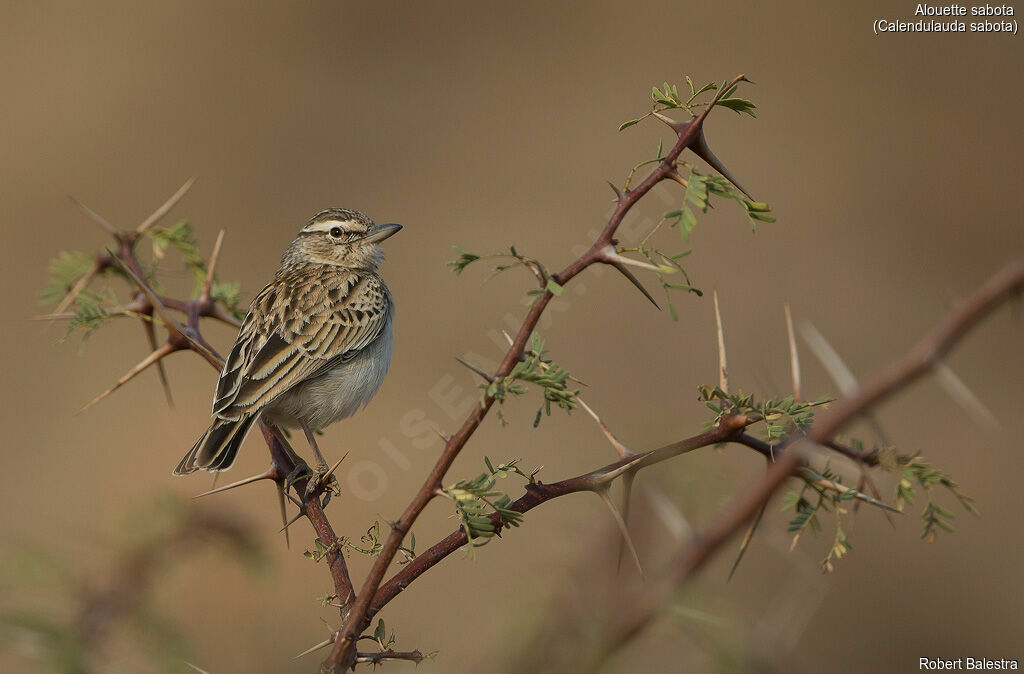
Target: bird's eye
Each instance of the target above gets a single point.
(336, 231)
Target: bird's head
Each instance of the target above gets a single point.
(341, 237)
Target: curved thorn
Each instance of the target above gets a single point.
(618, 192)
(673, 124)
(632, 279)
(701, 149)
(167, 206)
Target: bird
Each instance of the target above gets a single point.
(314, 346)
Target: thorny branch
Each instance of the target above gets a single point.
(689, 135)
(150, 306)
(921, 358)
(785, 460)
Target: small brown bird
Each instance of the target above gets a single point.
(315, 345)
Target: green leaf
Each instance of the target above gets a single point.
(740, 105)
(554, 288)
(462, 261)
(65, 270)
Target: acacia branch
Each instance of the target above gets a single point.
(921, 358)
(689, 134)
(149, 306)
(729, 430)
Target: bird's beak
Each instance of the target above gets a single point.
(381, 232)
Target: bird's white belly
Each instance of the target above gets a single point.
(338, 393)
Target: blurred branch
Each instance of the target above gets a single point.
(133, 573)
(102, 610)
(921, 358)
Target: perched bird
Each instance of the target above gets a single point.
(315, 345)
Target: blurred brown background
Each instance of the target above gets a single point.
(893, 166)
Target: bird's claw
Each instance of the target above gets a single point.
(300, 472)
(323, 481)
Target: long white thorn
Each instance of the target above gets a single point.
(161, 371)
(824, 483)
(268, 475)
(313, 649)
(94, 216)
(627, 499)
(603, 493)
(747, 538)
(76, 290)
(213, 264)
(831, 361)
(965, 397)
(167, 206)
(794, 355)
(723, 362)
(620, 448)
(132, 373)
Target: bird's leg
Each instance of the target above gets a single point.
(301, 467)
(321, 463)
(323, 471)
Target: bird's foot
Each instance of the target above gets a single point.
(301, 472)
(323, 480)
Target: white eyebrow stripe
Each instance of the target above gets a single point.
(328, 225)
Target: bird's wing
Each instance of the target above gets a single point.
(306, 320)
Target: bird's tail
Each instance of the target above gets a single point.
(218, 447)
